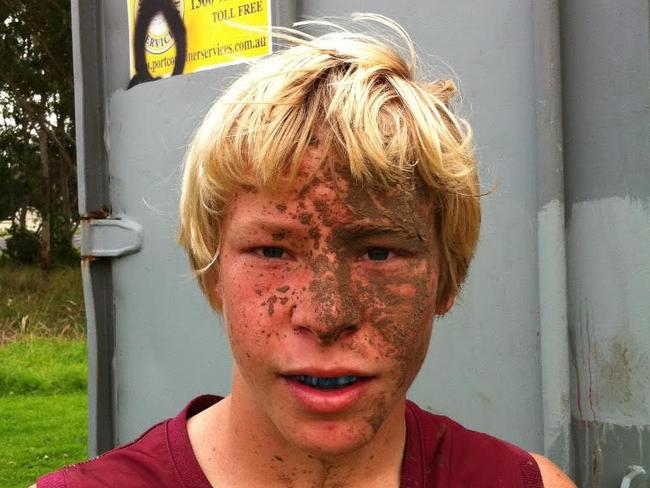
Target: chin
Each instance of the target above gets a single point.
(331, 439)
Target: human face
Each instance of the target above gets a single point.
(327, 284)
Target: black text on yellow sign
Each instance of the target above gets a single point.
(218, 32)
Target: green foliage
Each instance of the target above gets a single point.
(63, 252)
(23, 246)
(33, 302)
(20, 171)
(37, 150)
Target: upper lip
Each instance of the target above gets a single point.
(326, 372)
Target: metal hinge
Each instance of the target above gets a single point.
(109, 237)
(634, 471)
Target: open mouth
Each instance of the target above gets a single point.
(327, 393)
(327, 383)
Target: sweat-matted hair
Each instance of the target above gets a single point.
(355, 88)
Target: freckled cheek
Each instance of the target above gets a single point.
(250, 348)
(401, 314)
(402, 290)
(255, 307)
(245, 310)
(249, 283)
(403, 285)
(396, 299)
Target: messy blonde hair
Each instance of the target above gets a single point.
(387, 125)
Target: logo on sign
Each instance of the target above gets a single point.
(159, 36)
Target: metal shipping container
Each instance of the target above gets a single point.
(549, 345)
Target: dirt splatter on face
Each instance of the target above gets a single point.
(314, 234)
(305, 218)
(351, 286)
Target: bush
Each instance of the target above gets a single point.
(62, 251)
(23, 246)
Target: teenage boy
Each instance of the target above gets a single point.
(330, 209)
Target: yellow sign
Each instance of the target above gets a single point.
(216, 32)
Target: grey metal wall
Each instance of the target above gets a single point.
(549, 345)
(606, 95)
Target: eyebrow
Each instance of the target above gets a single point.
(343, 234)
(364, 231)
(270, 226)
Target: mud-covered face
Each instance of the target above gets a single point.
(328, 294)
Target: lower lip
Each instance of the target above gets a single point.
(327, 401)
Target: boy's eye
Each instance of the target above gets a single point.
(271, 252)
(378, 254)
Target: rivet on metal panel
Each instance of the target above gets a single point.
(110, 238)
(634, 472)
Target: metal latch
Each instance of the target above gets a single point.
(634, 472)
(110, 237)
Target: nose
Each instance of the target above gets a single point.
(326, 309)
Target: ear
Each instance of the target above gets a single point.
(445, 305)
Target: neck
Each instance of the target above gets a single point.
(240, 446)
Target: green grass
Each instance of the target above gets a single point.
(42, 365)
(33, 302)
(42, 372)
(40, 433)
(43, 407)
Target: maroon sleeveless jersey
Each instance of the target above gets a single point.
(439, 453)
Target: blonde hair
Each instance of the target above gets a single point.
(386, 124)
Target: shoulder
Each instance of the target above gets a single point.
(552, 476)
(468, 456)
(135, 462)
(464, 442)
(160, 457)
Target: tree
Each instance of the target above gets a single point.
(37, 151)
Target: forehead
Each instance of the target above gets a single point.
(324, 194)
